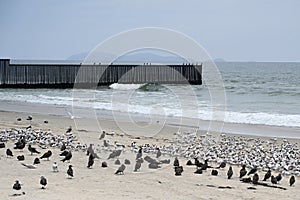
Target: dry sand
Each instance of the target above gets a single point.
(100, 183)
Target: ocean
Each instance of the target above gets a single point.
(256, 93)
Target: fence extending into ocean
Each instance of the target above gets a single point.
(63, 75)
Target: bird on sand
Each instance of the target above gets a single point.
(64, 153)
(121, 169)
(178, 170)
(127, 162)
(89, 150)
(2, 145)
(47, 155)
(243, 171)
(137, 166)
(222, 165)
(67, 157)
(21, 158)
(36, 161)
(69, 130)
(273, 180)
(292, 180)
(229, 173)
(17, 185)
(70, 171)
(90, 161)
(32, 149)
(252, 171)
(214, 172)
(189, 162)
(55, 167)
(255, 178)
(20, 144)
(114, 154)
(104, 164)
(267, 175)
(278, 177)
(198, 171)
(63, 147)
(176, 162)
(158, 154)
(43, 182)
(102, 135)
(139, 153)
(9, 153)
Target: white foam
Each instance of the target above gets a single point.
(117, 86)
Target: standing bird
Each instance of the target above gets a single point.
(267, 175)
(139, 154)
(69, 130)
(20, 144)
(243, 171)
(67, 157)
(43, 182)
(214, 172)
(9, 153)
(90, 150)
(222, 165)
(229, 173)
(255, 179)
(2, 145)
(292, 180)
(55, 167)
(63, 147)
(47, 155)
(252, 171)
(137, 166)
(70, 171)
(178, 170)
(36, 161)
(21, 158)
(278, 177)
(17, 185)
(29, 118)
(273, 180)
(102, 135)
(91, 161)
(121, 169)
(32, 150)
(176, 162)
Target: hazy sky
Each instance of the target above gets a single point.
(236, 30)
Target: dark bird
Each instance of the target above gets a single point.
(64, 153)
(255, 179)
(46, 122)
(222, 165)
(176, 162)
(89, 150)
(2, 145)
(21, 158)
(137, 166)
(151, 160)
(19, 119)
(47, 155)
(67, 157)
(9, 153)
(114, 154)
(127, 162)
(153, 165)
(158, 154)
(29, 118)
(214, 172)
(278, 177)
(104, 164)
(189, 162)
(20, 144)
(267, 175)
(28, 127)
(205, 165)
(17, 185)
(70, 171)
(139, 154)
(292, 180)
(102, 135)
(273, 180)
(243, 171)
(117, 162)
(69, 130)
(178, 170)
(252, 171)
(43, 182)
(166, 161)
(121, 169)
(229, 173)
(198, 163)
(36, 161)
(32, 150)
(91, 161)
(198, 171)
(63, 147)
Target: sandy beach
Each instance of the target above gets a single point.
(99, 182)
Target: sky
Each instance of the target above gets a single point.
(234, 30)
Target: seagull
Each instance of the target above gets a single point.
(137, 166)
(222, 165)
(36, 161)
(278, 177)
(176, 162)
(70, 171)
(243, 171)
(178, 170)
(67, 157)
(273, 180)
(29, 166)
(252, 171)
(121, 169)
(102, 135)
(29, 118)
(69, 130)
(63, 147)
(21, 158)
(255, 178)
(214, 172)
(43, 182)
(267, 175)
(55, 167)
(91, 161)
(139, 154)
(46, 155)
(158, 154)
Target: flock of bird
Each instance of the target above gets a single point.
(258, 154)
